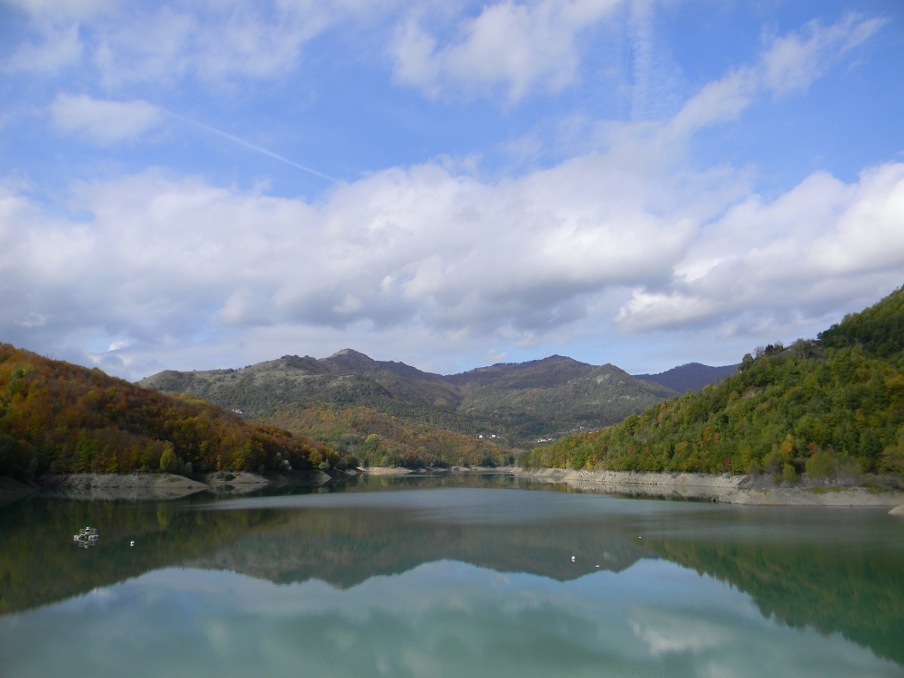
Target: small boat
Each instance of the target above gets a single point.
(86, 537)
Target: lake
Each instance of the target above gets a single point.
(468, 576)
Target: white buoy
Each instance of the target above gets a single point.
(573, 558)
(132, 543)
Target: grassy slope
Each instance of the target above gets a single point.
(835, 405)
(59, 417)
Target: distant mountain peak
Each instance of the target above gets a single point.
(690, 376)
(349, 353)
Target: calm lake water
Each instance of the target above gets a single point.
(458, 577)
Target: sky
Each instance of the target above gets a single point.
(211, 183)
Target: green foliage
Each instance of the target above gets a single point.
(879, 330)
(842, 397)
(821, 465)
(789, 474)
(59, 417)
(892, 460)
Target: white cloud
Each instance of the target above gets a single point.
(510, 48)
(163, 260)
(165, 42)
(103, 122)
(822, 243)
(219, 42)
(794, 61)
(58, 47)
(152, 263)
(789, 63)
(410, 248)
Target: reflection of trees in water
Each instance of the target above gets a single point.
(39, 563)
(831, 588)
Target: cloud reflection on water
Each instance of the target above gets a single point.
(443, 618)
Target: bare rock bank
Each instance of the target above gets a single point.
(110, 486)
(158, 486)
(434, 470)
(726, 488)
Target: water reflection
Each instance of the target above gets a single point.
(451, 582)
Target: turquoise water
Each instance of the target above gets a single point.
(429, 579)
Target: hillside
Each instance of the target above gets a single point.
(59, 417)
(550, 397)
(829, 407)
(690, 377)
(417, 415)
(377, 439)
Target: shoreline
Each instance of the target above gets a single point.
(741, 489)
(156, 486)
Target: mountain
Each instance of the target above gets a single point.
(420, 417)
(59, 417)
(690, 377)
(831, 407)
(547, 398)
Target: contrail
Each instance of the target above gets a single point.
(254, 147)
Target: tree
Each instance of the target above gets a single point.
(169, 462)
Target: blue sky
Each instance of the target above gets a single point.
(647, 183)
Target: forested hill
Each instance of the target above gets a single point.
(830, 406)
(347, 397)
(59, 417)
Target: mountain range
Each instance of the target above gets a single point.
(387, 412)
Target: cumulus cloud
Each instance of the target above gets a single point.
(103, 122)
(160, 256)
(510, 49)
(164, 260)
(822, 242)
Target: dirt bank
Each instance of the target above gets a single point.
(727, 488)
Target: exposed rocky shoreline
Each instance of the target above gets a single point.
(157, 486)
(726, 488)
